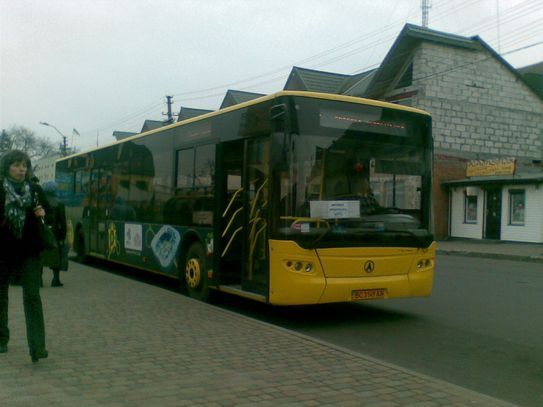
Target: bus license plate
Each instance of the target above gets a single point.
(371, 294)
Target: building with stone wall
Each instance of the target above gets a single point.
(482, 109)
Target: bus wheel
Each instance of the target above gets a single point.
(196, 273)
(80, 247)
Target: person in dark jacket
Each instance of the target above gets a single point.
(56, 217)
(22, 205)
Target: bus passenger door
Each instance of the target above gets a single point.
(100, 206)
(243, 223)
(255, 273)
(230, 210)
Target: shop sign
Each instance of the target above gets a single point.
(481, 168)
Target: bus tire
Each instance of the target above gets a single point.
(195, 273)
(79, 247)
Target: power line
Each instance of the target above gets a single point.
(442, 10)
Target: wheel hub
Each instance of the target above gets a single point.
(193, 273)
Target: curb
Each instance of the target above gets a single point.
(500, 256)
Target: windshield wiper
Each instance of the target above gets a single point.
(417, 237)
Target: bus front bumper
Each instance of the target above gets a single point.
(299, 276)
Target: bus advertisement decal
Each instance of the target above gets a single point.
(164, 245)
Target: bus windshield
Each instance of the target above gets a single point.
(355, 176)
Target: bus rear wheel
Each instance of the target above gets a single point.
(196, 273)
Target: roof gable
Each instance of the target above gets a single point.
(152, 124)
(534, 69)
(410, 37)
(119, 135)
(235, 97)
(401, 51)
(533, 76)
(315, 81)
(189, 112)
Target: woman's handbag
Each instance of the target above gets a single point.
(48, 238)
(51, 258)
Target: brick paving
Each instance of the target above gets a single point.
(117, 342)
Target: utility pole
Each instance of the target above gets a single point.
(498, 25)
(169, 102)
(425, 7)
(63, 146)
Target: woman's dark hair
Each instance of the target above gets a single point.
(14, 156)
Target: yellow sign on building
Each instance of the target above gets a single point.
(481, 168)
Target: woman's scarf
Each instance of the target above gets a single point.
(16, 205)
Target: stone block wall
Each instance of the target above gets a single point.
(480, 109)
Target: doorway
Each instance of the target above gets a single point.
(493, 213)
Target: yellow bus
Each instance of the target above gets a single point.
(292, 198)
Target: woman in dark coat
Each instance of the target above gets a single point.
(56, 217)
(22, 205)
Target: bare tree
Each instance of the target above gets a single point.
(24, 139)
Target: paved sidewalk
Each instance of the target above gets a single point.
(492, 249)
(117, 342)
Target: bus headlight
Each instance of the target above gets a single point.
(424, 264)
(299, 266)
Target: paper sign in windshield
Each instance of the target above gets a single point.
(334, 209)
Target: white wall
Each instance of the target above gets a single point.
(532, 230)
(458, 227)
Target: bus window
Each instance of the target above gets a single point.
(192, 203)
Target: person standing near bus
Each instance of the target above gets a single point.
(56, 217)
(22, 205)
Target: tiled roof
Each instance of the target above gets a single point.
(358, 83)
(189, 112)
(152, 124)
(315, 81)
(533, 76)
(119, 135)
(535, 68)
(235, 97)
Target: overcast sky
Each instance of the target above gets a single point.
(104, 65)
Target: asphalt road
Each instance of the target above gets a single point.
(482, 328)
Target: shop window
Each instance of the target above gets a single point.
(517, 202)
(470, 209)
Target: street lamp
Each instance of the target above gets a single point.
(63, 150)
